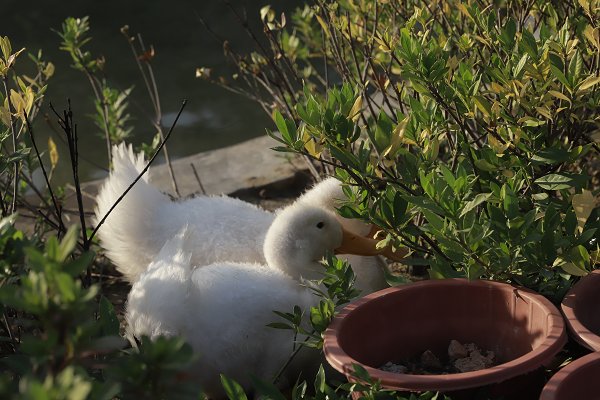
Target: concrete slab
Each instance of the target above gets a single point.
(248, 164)
(245, 165)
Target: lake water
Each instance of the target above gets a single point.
(213, 117)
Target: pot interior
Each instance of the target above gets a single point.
(402, 324)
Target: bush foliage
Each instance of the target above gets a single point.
(467, 130)
(470, 129)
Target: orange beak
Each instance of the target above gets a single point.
(362, 246)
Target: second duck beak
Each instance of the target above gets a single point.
(363, 246)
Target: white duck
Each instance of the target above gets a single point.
(369, 270)
(222, 309)
(224, 228)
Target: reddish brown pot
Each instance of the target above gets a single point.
(578, 380)
(580, 308)
(521, 327)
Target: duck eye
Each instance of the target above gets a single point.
(320, 225)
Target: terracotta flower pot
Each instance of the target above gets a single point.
(580, 308)
(578, 380)
(521, 327)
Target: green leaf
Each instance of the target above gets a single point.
(382, 136)
(510, 201)
(575, 67)
(485, 165)
(483, 104)
(66, 286)
(552, 155)
(560, 76)
(572, 269)
(560, 181)
(520, 65)
(320, 380)
(282, 127)
(233, 390)
(68, 243)
(424, 203)
(480, 198)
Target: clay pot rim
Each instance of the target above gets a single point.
(557, 338)
(550, 390)
(580, 332)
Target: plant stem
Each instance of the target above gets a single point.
(152, 89)
(198, 178)
(57, 209)
(13, 129)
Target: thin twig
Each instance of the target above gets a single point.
(140, 174)
(70, 129)
(57, 209)
(151, 87)
(198, 179)
(13, 129)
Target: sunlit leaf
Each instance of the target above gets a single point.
(583, 204)
(52, 152)
(589, 82)
(356, 109)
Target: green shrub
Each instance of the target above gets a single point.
(469, 129)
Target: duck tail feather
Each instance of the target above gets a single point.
(129, 231)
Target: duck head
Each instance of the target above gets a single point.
(301, 234)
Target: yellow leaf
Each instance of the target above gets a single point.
(589, 82)
(497, 88)
(398, 138)
(17, 102)
(483, 105)
(544, 111)
(49, 70)
(267, 14)
(583, 204)
(585, 4)
(559, 95)
(432, 149)
(595, 257)
(496, 145)
(461, 7)
(593, 35)
(4, 114)
(356, 109)
(53, 152)
(28, 99)
(5, 46)
(323, 25)
(13, 57)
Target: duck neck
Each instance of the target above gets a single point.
(297, 264)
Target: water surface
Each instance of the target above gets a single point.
(213, 117)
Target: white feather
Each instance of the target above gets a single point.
(222, 309)
(224, 228)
